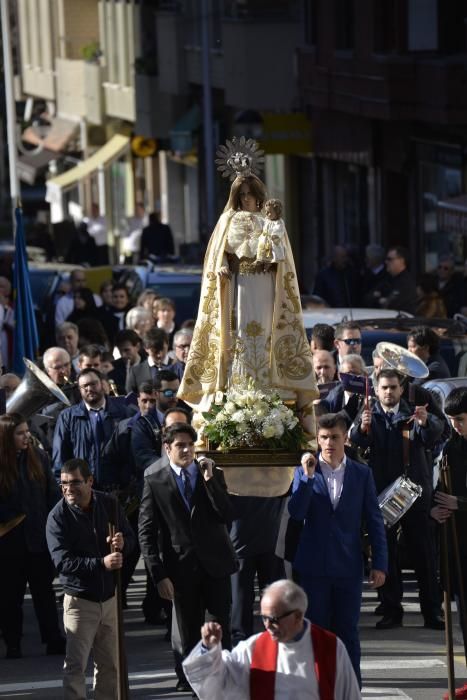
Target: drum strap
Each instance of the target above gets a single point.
(406, 447)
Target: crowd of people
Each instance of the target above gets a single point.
(123, 452)
(386, 282)
(133, 483)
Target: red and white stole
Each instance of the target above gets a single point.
(264, 664)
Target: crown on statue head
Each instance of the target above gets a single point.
(240, 157)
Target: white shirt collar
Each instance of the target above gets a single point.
(340, 468)
(95, 408)
(394, 409)
(178, 470)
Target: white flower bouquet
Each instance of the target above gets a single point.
(252, 417)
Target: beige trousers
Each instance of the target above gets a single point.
(90, 626)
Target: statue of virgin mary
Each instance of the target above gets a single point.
(249, 323)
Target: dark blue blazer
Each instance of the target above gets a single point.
(74, 437)
(331, 544)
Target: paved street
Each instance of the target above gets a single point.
(401, 663)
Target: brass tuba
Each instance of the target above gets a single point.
(402, 360)
(35, 391)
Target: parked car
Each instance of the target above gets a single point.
(443, 387)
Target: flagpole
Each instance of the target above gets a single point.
(10, 108)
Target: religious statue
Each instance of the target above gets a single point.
(249, 324)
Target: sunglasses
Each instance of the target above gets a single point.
(168, 393)
(351, 341)
(274, 620)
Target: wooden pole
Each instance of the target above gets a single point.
(122, 667)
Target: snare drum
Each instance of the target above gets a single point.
(397, 498)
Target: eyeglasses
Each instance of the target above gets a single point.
(351, 341)
(168, 393)
(59, 367)
(73, 482)
(275, 619)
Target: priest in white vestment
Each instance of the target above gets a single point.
(292, 660)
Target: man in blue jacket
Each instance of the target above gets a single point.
(334, 495)
(79, 544)
(83, 430)
(399, 438)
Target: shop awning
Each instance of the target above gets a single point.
(54, 137)
(113, 149)
(181, 136)
(452, 215)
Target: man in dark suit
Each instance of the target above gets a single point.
(398, 291)
(333, 495)
(146, 435)
(129, 345)
(424, 343)
(398, 439)
(156, 239)
(184, 514)
(156, 344)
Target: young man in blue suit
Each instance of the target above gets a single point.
(334, 496)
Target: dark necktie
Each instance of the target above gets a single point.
(187, 490)
(98, 428)
(390, 415)
(154, 373)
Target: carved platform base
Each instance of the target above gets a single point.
(256, 472)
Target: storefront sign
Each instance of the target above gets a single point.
(286, 133)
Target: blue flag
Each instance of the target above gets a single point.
(26, 337)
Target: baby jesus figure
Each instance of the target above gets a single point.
(271, 247)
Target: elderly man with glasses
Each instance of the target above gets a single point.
(86, 558)
(291, 659)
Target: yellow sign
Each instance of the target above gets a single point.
(286, 133)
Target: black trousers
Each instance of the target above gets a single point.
(269, 568)
(417, 528)
(199, 597)
(19, 568)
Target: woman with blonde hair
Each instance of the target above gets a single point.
(27, 494)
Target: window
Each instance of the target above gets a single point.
(422, 20)
(311, 21)
(345, 25)
(385, 26)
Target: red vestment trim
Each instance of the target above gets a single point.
(264, 664)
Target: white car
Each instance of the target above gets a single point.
(338, 315)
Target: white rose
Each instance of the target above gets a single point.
(268, 431)
(230, 407)
(238, 417)
(279, 428)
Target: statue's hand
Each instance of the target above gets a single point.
(224, 272)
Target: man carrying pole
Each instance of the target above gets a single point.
(451, 509)
(78, 540)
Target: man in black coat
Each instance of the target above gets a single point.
(399, 291)
(424, 343)
(184, 515)
(454, 504)
(398, 439)
(156, 239)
